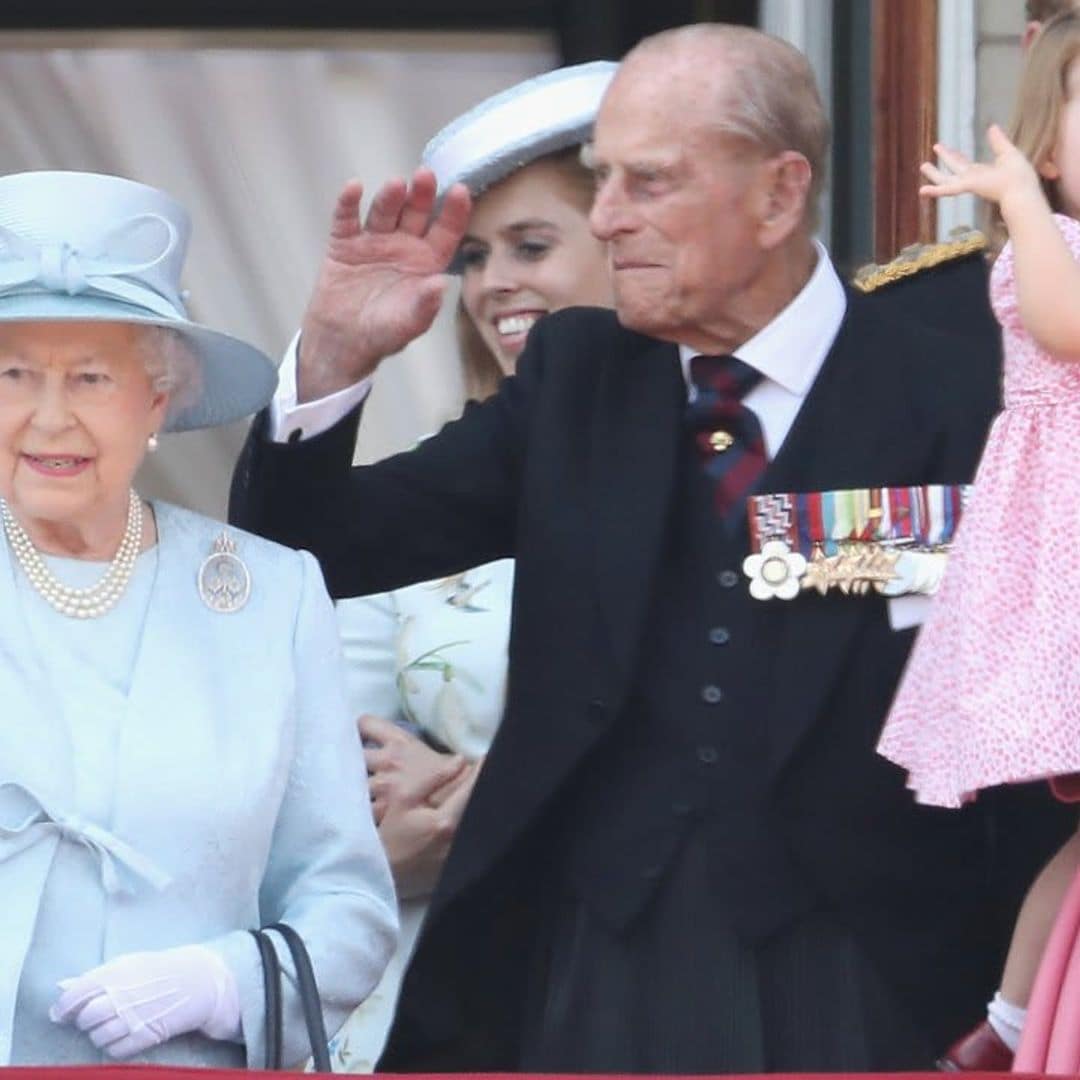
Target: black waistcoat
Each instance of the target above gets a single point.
(690, 749)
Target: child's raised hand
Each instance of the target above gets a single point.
(1010, 173)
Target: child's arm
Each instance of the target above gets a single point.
(1044, 267)
(1046, 275)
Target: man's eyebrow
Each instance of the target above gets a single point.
(655, 166)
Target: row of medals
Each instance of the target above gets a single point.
(855, 569)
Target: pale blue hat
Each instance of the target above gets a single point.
(93, 247)
(506, 132)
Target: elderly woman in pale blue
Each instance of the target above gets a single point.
(177, 761)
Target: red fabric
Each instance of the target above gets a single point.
(151, 1072)
(1066, 788)
(721, 383)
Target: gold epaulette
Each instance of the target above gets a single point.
(915, 258)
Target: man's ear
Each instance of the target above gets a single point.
(786, 189)
(1031, 32)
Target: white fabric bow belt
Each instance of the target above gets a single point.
(27, 266)
(33, 832)
(109, 848)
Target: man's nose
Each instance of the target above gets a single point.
(607, 216)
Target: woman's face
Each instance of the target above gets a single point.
(76, 409)
(528, 251)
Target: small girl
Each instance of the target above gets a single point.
(991, 694)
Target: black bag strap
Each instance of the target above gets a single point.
(309, 996)
(271, 971)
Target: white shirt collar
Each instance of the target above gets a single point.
(790, 350)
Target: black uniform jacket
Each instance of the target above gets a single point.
(569, 469)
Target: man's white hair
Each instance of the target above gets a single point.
(767, 93)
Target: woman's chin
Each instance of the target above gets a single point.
(507, 353)
(49, 502)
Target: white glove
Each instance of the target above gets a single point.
(143, 999)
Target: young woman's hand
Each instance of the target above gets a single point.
(417, 796)
(403, 771)
(417, 839)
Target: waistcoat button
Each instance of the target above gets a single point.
(711, 695)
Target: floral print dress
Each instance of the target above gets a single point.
(991, 693)
(433, 658)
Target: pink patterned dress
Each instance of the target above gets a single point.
(991, 693)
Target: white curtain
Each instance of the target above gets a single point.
(256, 143)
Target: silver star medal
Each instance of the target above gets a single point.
(224, 579)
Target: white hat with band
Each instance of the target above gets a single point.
(515, 127)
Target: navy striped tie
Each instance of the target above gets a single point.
(727, 434)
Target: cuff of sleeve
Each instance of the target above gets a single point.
(290, 420)
(239, 954)
(908, 611)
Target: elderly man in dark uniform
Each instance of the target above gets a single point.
(682, 854)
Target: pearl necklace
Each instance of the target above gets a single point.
(78, 603)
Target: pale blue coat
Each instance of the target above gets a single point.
(240, 795)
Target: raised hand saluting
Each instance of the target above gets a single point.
(381, 282)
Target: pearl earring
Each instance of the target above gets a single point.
(152, 442)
